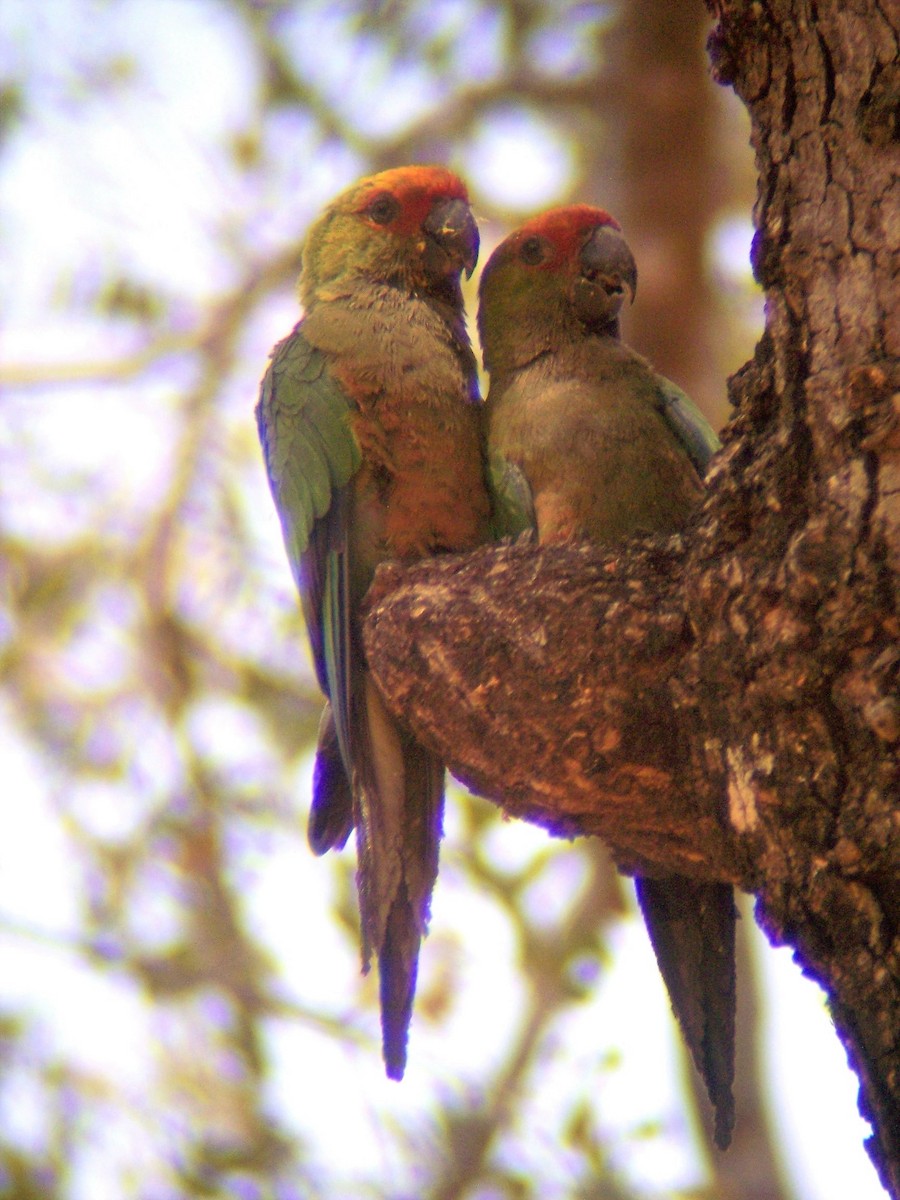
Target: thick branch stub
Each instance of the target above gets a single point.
(542, 677)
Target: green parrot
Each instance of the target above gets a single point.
(371, 428)
(587, 442)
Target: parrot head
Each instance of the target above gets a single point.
(558, 277)
(409, 227)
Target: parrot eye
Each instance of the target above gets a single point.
(383, 209)
(532, 251)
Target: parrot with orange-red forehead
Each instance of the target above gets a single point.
(587, 442)
(370, 426)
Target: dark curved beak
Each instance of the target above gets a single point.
(606, 260)
(451, 224)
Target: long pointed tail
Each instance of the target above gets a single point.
(398, 811)
(691, 926)
(398, 969)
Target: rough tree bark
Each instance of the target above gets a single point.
(727, 704)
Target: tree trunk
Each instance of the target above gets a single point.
(666, 122)
(726, 704)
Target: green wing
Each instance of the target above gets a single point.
(303, 419)
(512, 504)
(688, 424)
(311, 454)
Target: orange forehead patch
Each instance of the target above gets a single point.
(415, 188)
(564, 228)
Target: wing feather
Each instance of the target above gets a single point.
(512, 502)
(311, 454)
(688, 424)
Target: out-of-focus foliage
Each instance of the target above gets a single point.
(181, 1011)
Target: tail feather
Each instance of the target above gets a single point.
(378, 809)
(398, 966)
(691, 927)
(398, 811)
(331, 815)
